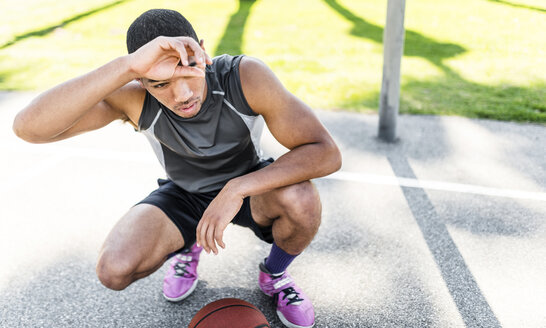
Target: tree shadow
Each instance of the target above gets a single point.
(469, 99)
(356, 135)
(526, 104)
(465, 291)
(480, 215)
(519, 5)
(510, 217)
(47, 30)
(67, 293)
(416, 44)
(347, 227)
(232, 39)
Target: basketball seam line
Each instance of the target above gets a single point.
(227, 306)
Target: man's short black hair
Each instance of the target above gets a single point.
(157, 22)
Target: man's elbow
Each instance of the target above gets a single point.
(337, 159)
(21, 130)
(334, 159)
(18, 127)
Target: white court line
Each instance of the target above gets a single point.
(147, 157)
(436, 185)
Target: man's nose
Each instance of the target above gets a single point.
(182, 91)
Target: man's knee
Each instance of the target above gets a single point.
(115, 272)
(301, 203)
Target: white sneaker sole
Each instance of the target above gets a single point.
(288, 323)
(183, 296)
(284, 320)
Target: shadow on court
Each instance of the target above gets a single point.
(385, 255)
(462, 285)
(70, 295)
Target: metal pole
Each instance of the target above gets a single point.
(393, 49)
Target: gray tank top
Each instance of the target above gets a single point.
(202, 153)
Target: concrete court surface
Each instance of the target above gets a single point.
(458, 239)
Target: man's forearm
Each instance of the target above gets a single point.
(57, 109)
(300, 164)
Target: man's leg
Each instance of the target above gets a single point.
(137, 246)
(294, 213)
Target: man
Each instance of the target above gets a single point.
(203, 119)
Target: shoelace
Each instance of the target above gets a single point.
(180, 267)
(292, 295)
(289, 292)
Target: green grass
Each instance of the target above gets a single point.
(475, 58)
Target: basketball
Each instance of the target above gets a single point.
(229, 312)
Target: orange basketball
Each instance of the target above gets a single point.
(229, 312)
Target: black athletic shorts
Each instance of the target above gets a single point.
(185, 209)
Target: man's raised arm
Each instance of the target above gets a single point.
(83, 103)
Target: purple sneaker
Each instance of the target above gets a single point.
(293, 307)
(181, 278)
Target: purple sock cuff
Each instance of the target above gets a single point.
(278, 260)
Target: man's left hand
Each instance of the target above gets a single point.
(220, 212)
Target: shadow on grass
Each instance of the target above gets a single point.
(232, 40)
(416, 44)
(450, 94)
(519, 5)
(6, 73)
(453, 95)
(47, 30)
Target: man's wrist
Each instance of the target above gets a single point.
(124, 63)
(128, 69)
(236, 186)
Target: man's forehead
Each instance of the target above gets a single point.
(176, 76)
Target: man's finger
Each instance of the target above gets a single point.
(202, 239)
(194, 46)
(210, 239)
(173, 44)
(183, 53)
(179, 48)
(188, 71)
(219, 236)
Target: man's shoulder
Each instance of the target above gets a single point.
(234, 62)
(250, 66)
(129, 99)
(224, 59)
(224, 65)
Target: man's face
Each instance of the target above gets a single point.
(183, 94)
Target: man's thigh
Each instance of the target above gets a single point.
(183, 208)
(143, 236)
(269, 206)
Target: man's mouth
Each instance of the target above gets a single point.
(188, 107)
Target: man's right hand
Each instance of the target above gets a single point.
(93, 100)
(160, 58)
